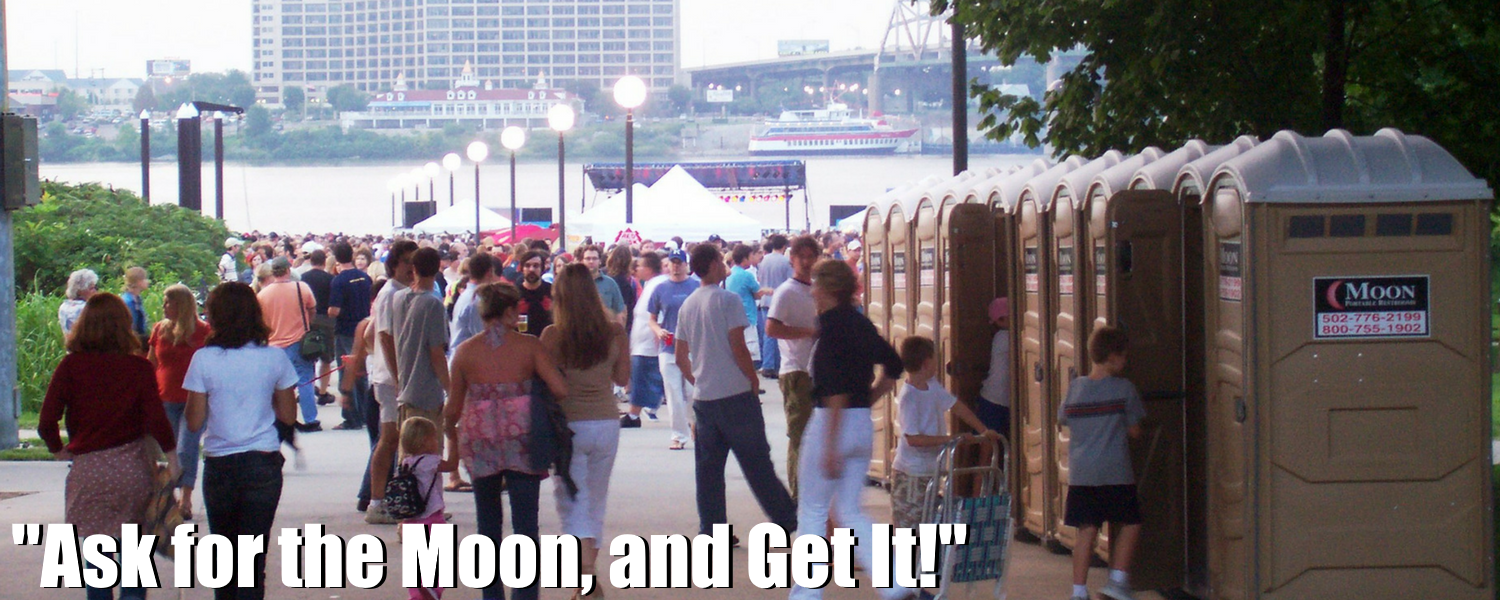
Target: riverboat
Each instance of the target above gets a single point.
(834, 129)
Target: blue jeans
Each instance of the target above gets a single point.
(241, 492)
(770, 352)
(187, 443)
(307, 397)
(735, 424)
(126, 593)
(524, 491)
(369, 414)
(646, 387)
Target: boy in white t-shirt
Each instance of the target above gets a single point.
(921, 414)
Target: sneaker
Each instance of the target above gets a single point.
(325, 398)
(1116, 591)
(376, 515)
(629, 422)
(651, 414)
(768, 374)
(362, 505)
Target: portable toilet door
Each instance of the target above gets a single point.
(966, 280)
(1031, 408)
(1349, 383)
(877, 300)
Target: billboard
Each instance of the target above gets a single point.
(800, 47)
(719, 96)
(172, 67)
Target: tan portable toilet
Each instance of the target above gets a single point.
(1349, 398)
(927, 242)
(1032, 364)
(1066, 293)
(877, 300)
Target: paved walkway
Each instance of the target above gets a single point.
(651, 493)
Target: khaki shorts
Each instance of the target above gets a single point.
(408, 411)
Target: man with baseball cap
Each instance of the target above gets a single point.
(228, 267)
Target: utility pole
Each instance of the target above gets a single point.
(10, 395)
(960, 52)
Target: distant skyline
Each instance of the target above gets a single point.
(115, 39)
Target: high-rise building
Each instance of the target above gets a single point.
(320, 44)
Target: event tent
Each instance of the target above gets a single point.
(854, 223)
(459, 218)
(676, 205)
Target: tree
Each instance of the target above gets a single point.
(145, 99)
(69, 104)
(238, 90)
(257, 121)
(347, 98)
(128, 142)
(1162, 72)
(293, 98)
(681, 97)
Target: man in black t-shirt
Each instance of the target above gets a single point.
(320, 280)
(536, 295)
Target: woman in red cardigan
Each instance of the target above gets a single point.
(107, 392)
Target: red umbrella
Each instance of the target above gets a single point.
(523, 231)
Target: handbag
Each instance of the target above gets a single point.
(551, 440)
(317, 343)
(403, 498)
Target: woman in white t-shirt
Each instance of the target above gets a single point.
(238, 389)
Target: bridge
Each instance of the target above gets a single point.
(915, 53)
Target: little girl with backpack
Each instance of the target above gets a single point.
(415, 495)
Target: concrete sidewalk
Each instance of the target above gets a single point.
(651, 493)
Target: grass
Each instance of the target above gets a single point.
(30, 449)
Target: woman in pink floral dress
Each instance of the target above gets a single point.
(488, 417)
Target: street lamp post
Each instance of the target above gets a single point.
(513, 138)
(560, 117)
(432, 170)
(630, 92)
(415, 178)
(395, 185)
(477, 151)
(146, 156)
(451, 163)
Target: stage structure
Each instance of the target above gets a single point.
(752, 180)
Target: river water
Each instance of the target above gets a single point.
(356, 199)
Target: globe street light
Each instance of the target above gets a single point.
(560, 117)
(432, 170)
(451, 163)
(477, 152)
(513, 138)
(630, 92)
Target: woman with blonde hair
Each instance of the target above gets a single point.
(593, 353)
(109, 419)
(173, 342)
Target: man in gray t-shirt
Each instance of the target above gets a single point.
(421, 332)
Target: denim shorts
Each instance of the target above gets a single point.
(646, 389)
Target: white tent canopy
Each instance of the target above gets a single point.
(854, 223)
(459, 218)
(677, 205)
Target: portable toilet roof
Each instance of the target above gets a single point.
(954, 188)
(1010, 190)
(1342, 168)
(882, 203)
(1116, 178)
(1162, 173)
(1194, 175)
(907, 201)
(982, 190)
(1077, 181)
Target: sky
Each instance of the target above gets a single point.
(115, 38)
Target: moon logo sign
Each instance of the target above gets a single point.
(1333, 295)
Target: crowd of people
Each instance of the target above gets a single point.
(507, 364)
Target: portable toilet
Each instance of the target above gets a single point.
(1132, 241)
(928, 245)
(1064, 296)
(1348, 380)
(899, 213)
(1030, 307)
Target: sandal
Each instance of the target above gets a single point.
(462, 486)
(678, 446)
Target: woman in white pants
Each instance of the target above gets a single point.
(593, 353)
(839, 438)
